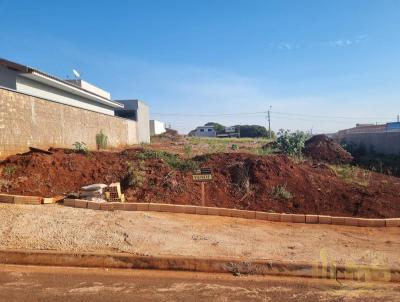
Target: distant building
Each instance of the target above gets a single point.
(157, 127)
(205, 131)
(138, 111)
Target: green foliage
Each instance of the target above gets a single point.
(9, 170)
(281, 192)
(217, 127)
(234, 147)
(253, 131)
(187, 149)
(291, 143)
(352, 174)
(101, 140)
(80, 147)
(172, 160)
(135, 175)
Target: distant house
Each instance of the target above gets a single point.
(205, 131)
(157, 127)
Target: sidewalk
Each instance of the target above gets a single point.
(164, 234)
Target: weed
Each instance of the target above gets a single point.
(135, 175)
(101, 140)
(80, 147)
(281, 192)
(9, 170)
(352, 174)
(234, 147)
(172, 160)
(187, 149)
(264, 151)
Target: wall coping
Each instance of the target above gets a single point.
(48, 100)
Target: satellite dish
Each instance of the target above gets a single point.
(76, 73)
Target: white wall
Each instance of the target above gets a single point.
(143, 117)
(156, 127)
(40, 90)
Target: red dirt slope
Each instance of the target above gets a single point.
(240, 181)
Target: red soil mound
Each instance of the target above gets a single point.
(322, 148)
(240, 181)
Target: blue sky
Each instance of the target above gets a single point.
(321, 65)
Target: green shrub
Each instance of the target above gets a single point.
(9, 170)
(352, 174)
(234, 147)
(172, 160)
(291, 143)
(281, 192)
(135, 175)
(187, 149)
(101, 140)
(80, 147)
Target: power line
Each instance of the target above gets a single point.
(270, 112)
(208, 114)
(330, 116)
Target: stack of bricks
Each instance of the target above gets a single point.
(113, 193)
(17, 199)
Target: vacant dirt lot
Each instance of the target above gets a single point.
(246, 181)
(57, 227)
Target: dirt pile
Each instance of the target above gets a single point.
(240, 180)
(322, 148)
(170, 135)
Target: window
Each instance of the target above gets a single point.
(209, 130)
(201, 130)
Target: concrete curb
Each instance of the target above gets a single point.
(209, 265)
(199, 210)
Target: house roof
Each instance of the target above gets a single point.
(205, 127)
(40, 76)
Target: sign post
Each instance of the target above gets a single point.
(203, 175)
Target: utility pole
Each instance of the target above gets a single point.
(398, 118)
(269, 122)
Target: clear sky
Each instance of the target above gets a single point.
(321, 65)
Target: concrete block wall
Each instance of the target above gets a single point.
(380, 142)
(30, 121)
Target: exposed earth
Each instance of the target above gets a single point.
(30, 283)
(322, 148)
(240, 180)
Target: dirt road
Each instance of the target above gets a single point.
(29, 283)
(55, 227)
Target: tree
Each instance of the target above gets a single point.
(217, 127)
(291, 143)
(253, 131)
